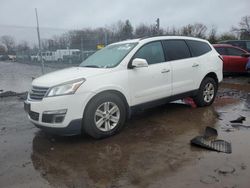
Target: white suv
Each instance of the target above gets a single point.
(102, 92)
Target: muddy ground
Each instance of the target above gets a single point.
(153, 150)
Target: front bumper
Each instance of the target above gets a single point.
(69, 124)
(74, 128)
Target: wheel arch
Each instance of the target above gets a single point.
(115, 92)
(211, 75)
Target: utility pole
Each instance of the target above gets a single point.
(158, 25)
(105, 38)
(39, 42)
(81, 48)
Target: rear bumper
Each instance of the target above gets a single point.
(74, 128)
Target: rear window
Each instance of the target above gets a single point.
(176, 49)
(198, 48)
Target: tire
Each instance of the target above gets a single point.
(207, 92)
(99, 121)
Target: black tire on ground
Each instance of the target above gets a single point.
(200, 99)
(89, 125)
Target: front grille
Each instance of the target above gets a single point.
(37, 93)
(34, 115)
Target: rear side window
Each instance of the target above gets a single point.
(234, 52)
(176, 49)
(240, 44)
(152, 52)
(198, 48)
(221, 51)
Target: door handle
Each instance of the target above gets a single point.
(195, 65)
(165, 71)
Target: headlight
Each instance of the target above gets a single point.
(65, 88)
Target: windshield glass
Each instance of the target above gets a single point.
(109, 56)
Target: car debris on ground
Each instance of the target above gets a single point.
(208, 141)
(22, 95)
(239, 120)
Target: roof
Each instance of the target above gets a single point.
(146, 39)
(235, 41)
(222, 45)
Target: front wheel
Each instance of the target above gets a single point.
(206, 93)
(104, 116)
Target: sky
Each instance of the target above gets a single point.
(17, 17)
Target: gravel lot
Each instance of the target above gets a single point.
(153, 150)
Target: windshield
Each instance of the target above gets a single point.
(109, 56)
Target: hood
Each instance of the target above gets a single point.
(65, 75)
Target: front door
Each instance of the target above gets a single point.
(152, 82)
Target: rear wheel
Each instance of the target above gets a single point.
(207, 92)
(104, 115)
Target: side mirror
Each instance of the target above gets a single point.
(138, 63)
(245, 55)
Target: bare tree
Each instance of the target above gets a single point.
(172, 31)
(9, 42)
(245, 23)
(142, 31)
(126, 31)
(194, 30)
(243, 29)
(3, 49)
(227, 36)
(23, 46)
(212, 36)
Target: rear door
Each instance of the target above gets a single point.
(184, 68)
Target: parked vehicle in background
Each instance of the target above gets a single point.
(60, 55)
(248, 66)
(48, 56)
(6, 57)
(12, 57)
(98, 96)
(234, 58)
(244, 44)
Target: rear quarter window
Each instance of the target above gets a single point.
(198, 48)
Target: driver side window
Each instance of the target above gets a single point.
(152, 52)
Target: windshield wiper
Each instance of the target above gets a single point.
(91, 66)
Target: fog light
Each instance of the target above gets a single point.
(54, 116)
